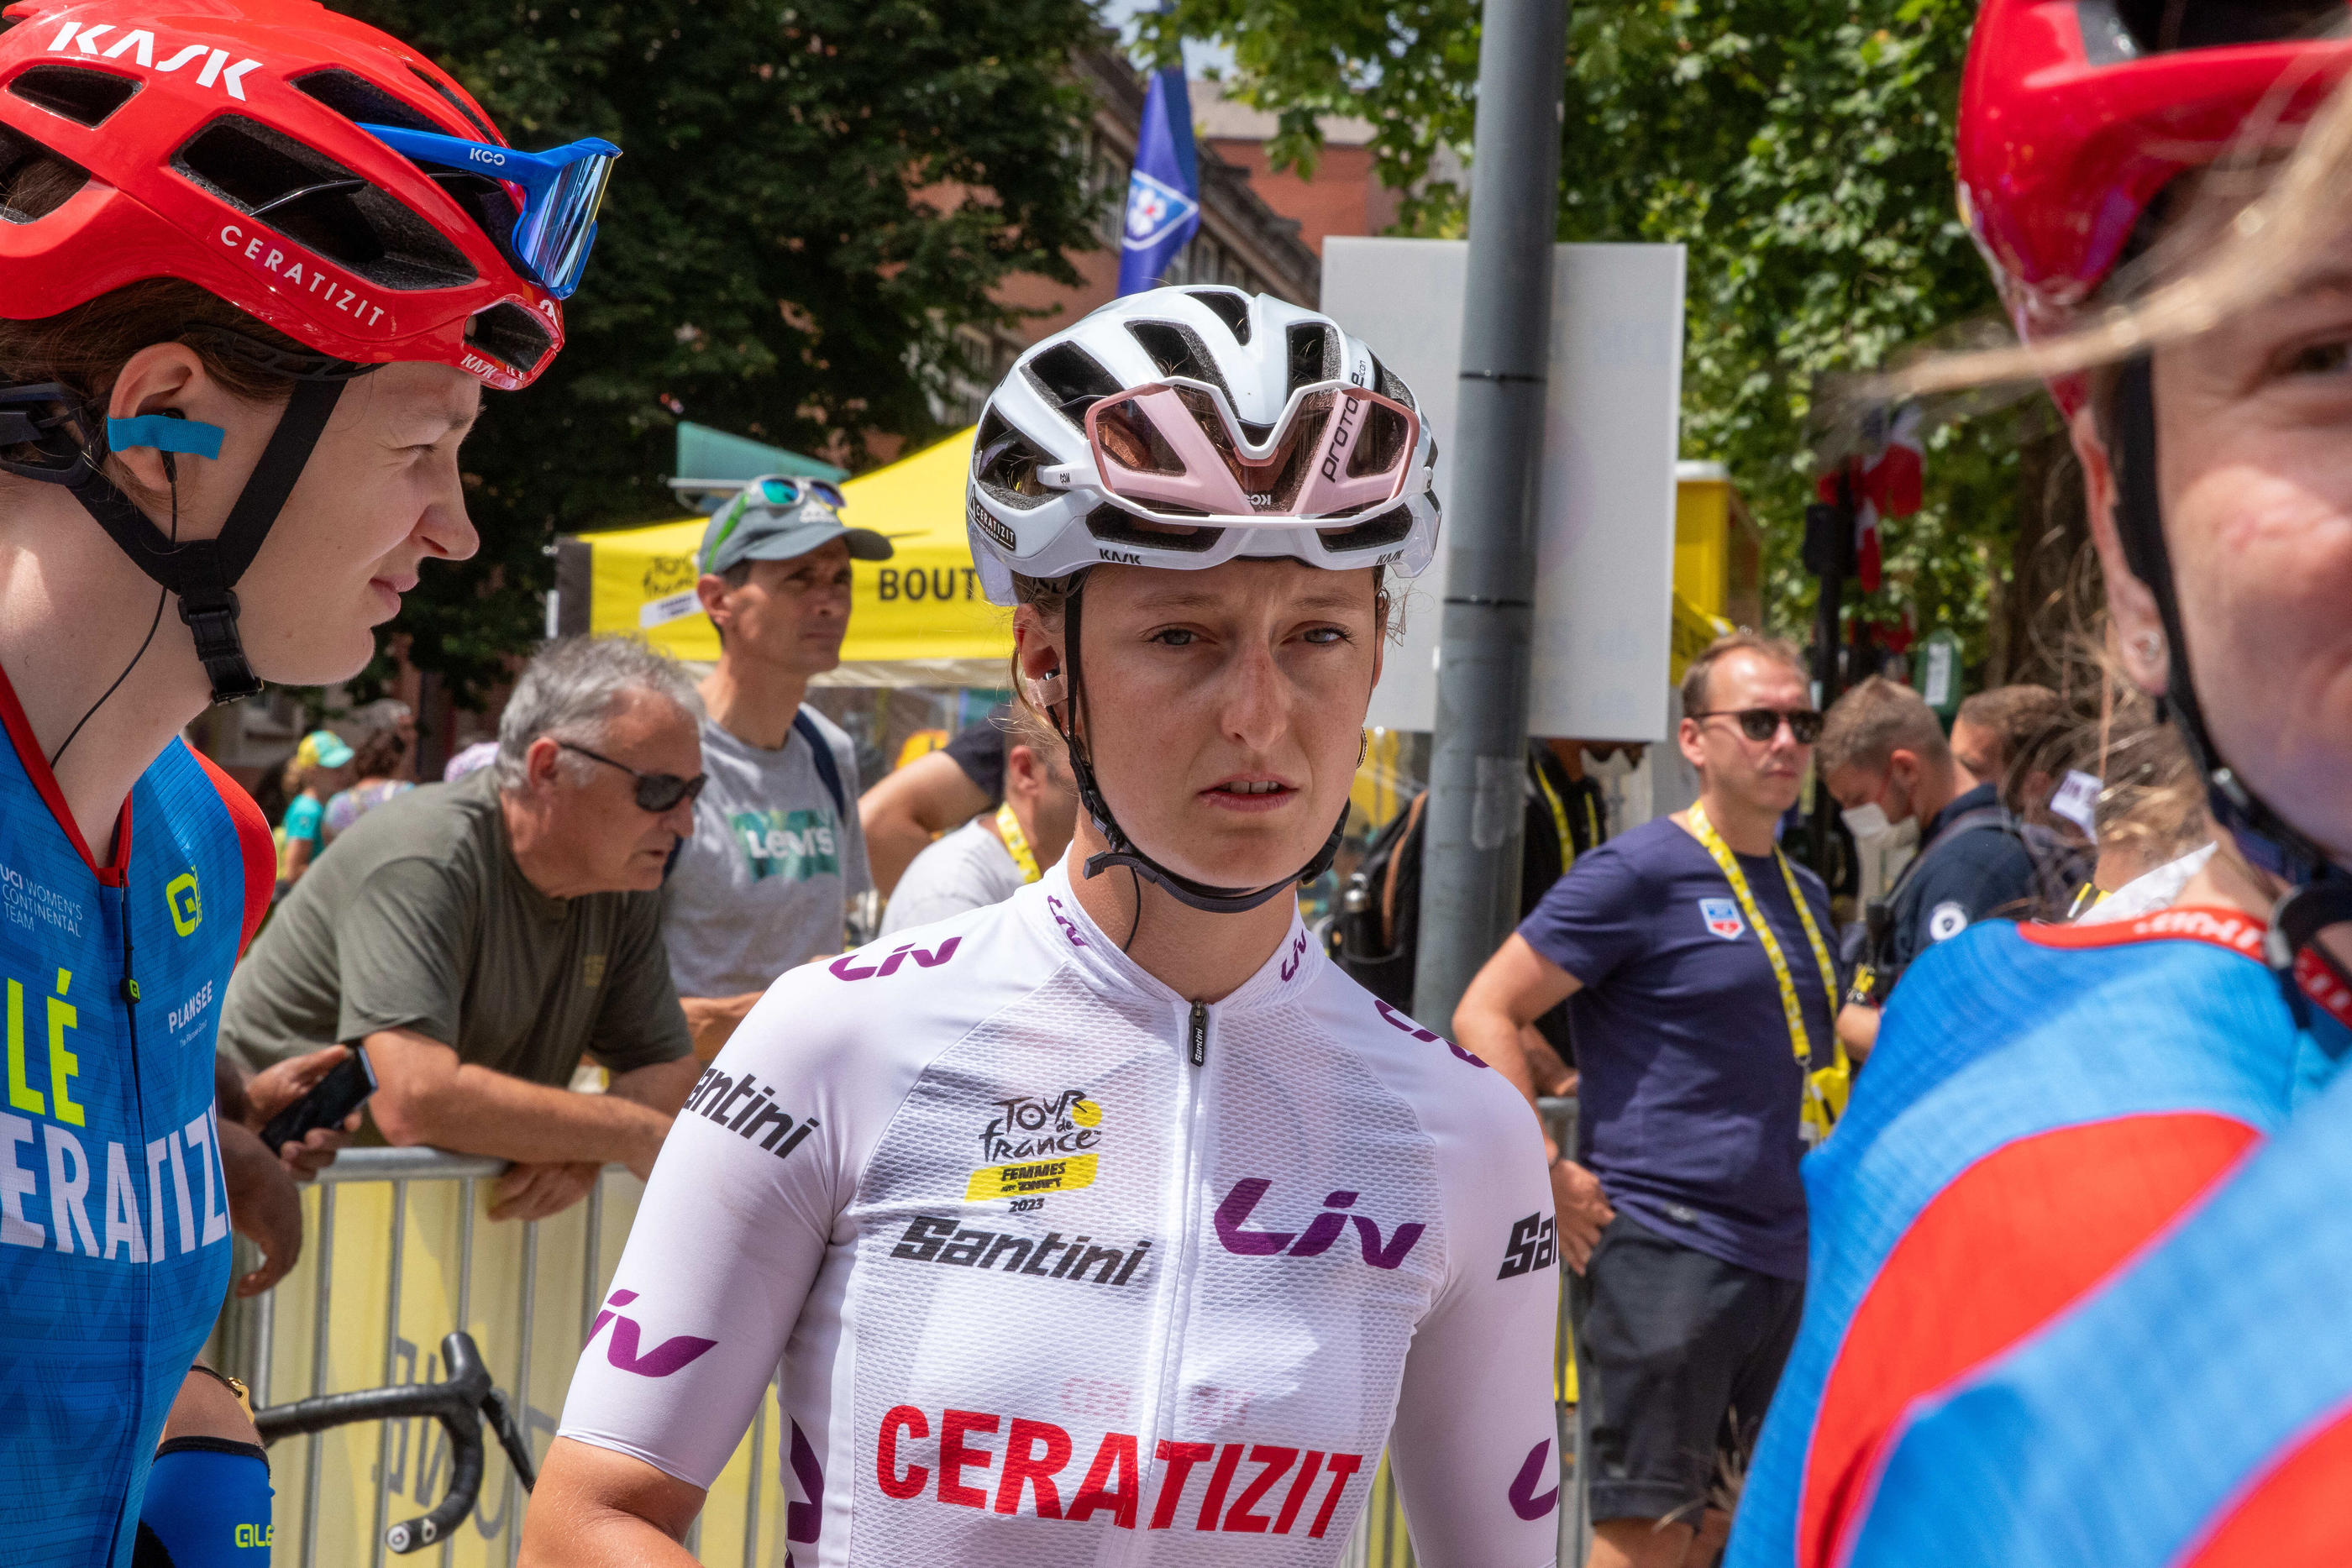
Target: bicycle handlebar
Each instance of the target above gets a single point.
(460, 1404)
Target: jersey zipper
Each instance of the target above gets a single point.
(1177, 1290)
(127, 997)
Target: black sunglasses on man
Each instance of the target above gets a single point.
(657, 793)
(1761, 723)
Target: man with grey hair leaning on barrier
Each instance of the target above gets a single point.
(477, 938)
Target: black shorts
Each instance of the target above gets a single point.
(1677, 1353)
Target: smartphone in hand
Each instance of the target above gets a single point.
(342, 1092)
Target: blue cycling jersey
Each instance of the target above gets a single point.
(114, 1231)
(2041, 1102)
(2191, 1414)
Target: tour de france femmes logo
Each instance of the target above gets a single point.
(1036, 1144)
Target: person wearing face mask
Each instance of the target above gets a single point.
(2080, 1244)
(1885, 760)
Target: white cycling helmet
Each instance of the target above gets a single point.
(1186, 426)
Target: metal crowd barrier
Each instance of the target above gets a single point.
(398, 1252)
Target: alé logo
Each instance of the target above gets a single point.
(1320, 1234)
(671, 1356)
(142, 47)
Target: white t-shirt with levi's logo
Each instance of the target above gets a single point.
(1058, 1268)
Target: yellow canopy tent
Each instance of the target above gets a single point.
(917, 620)
(920, 619)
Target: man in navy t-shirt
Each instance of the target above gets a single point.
(1695, 959)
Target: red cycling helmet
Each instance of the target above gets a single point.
(2075, 113)
(2074, 116)
(305, 168)
(219, 142)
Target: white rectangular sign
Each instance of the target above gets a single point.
(1605, 570)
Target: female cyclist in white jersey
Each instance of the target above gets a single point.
(1113, 1224)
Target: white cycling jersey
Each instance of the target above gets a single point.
(1058, 1268)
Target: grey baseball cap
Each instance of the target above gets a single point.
(780, 517)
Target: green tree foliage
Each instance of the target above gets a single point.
(1801, 149)
(814, 198)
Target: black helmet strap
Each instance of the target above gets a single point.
(2319, 892)
(202, 573)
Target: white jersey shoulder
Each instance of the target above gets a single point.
(1056, 1266)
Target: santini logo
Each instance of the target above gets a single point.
(1321, 1233)
(671, 1356)
(140, 45)
(747, 1108)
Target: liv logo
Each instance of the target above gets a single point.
(1297, 956)
(1316, 1239)
(1427, 1036)
(847, 967)
(670, 1355)
(1526, 1501)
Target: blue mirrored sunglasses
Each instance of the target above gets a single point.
(788, 492)
(563, 189)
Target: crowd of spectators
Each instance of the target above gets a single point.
(641, 856)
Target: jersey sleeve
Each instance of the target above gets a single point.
(1475, 1446)
(734, 1226)
(401, 953)
(1582, 926)
(255, 847)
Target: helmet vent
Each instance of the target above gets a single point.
(1115, 527)
(358, 99)
(511, 335)
(1314, 355)
(2170, 27)
(355, 98)
(319, 203)
(33, 181)
(1231, 307)
(1178, 351)
(1390, 527)
(1005, 463)
(81, 94)
(1389, 384)
(1071, 379)
(458, 103)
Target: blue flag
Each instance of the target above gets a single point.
(1163, 195)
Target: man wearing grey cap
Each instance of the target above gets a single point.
(777, 853)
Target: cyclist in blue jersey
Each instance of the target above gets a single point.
(253, 277)
(2046, 1102)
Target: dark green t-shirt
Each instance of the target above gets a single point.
(419, 918)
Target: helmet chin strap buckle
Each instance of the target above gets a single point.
(219, 649)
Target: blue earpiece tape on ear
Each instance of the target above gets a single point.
(165, 434)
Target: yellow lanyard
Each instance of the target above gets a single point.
(1559, 818)
(1016, 842)
(1825, 1101)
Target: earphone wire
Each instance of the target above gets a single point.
(172, 475)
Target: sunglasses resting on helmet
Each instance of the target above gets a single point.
(562, 190)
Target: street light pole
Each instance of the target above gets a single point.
(1470, 868)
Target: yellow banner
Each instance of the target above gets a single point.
(925, 602)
